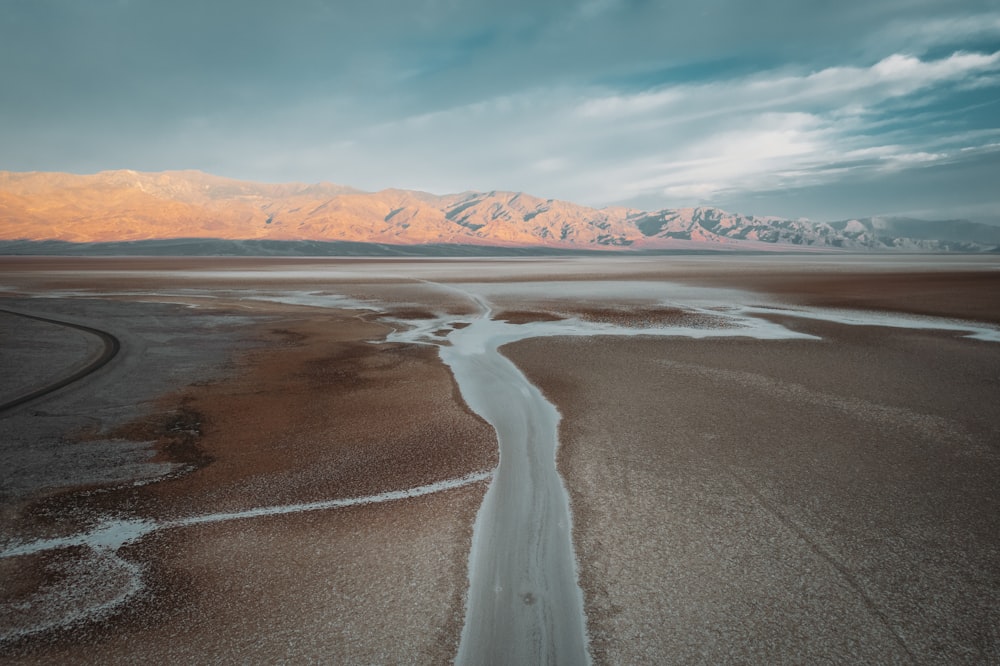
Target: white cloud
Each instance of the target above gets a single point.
(904, 74)
(924, 33)
(849, 88)
(918, 157)
(679, 145)
(774, 129)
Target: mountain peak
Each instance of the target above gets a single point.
(125, 205)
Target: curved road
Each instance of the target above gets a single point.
(111, 347)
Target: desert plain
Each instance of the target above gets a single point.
(759, 459)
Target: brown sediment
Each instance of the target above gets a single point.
(315, 410)
(969, 294)
(21, 582)
(372, 584)
(526, 316)
(632, 315)
(410, 313)
(175, 433)
(644, 316)
(743, 501)
(322, 413)
(734, 500)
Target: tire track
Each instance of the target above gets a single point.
(111, 348)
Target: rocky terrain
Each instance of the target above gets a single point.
(129, 206)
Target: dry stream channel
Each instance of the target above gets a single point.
(524, 602)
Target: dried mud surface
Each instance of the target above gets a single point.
(973, 295)
(283, 405)
(321, 413)
(35, 353)
(786, 501)
(376, 584)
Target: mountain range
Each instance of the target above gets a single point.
(129, 206)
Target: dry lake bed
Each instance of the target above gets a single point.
(678, 459)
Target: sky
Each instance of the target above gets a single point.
(822, 110)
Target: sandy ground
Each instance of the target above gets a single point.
(246, 405)
(785, 501)
(35, 353)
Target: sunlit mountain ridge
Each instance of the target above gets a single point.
(116, 206)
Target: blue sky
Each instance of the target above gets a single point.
(791, 108)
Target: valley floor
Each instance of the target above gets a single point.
(795, 461)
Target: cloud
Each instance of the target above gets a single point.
(768, 129)
(598, 101)
(677, 145)
(834, 87)
(922, 33)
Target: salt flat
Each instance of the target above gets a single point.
(761, 459)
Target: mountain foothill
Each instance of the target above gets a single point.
(130, 206)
